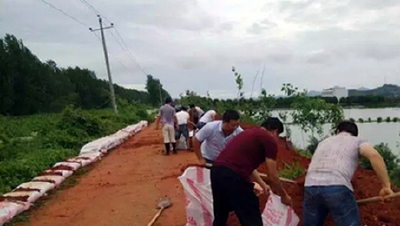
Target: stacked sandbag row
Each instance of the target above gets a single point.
(21, 198)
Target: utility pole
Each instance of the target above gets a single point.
(112, 93)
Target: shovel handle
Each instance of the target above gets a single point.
(377, 198)
(155, 217)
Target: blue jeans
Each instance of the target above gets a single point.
(337, 200)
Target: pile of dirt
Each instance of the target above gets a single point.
(365, 183)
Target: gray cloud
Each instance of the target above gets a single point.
(193, 44)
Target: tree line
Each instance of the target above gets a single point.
(29, 86)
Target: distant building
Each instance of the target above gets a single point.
(336, 91)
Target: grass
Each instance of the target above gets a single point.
(292, 171)
(31, 144)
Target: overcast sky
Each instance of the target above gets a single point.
(193, 44)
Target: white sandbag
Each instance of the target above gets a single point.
(82, 161)
(181, 144)
(199, 202)
(93, 156)
(10, 209)
(44, 187)
(73, 165)
(277, 214)
(57, 179)
(32, 195)
(64, 173)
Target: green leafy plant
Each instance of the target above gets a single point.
(387, 119)
(292, 171)
(379, 119)
(391, 159)
(312, 113)
(360, 120)
(395, 119)
(369, 119)
(352, 120)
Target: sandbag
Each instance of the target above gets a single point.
(181, 143)
(57, 179)
(73, 165)
(44, 187)
(31, 196)
(64, 173)
(199, 202)
(9, 209)
(277, 214)
(197, 187)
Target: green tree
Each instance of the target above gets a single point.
(155, 90)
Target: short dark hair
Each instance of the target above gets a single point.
(273, 123)
(168, 100)
(191, 105)
(230, 115)
(183, 108)
(347, 126)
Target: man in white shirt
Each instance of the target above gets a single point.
(183, 121)
(209, 116)
(328, 186)
(212, 138)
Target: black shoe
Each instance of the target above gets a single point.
(175, 152)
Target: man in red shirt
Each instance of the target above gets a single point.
(236, 166)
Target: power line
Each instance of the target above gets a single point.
(52, 6)
(122, 43)
(89, 7)
(126, 49)
(122, 64)
(129, 51)
(93, 9)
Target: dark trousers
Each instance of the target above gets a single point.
(337, 200)
(233, 193)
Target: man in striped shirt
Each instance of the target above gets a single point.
(328, 186)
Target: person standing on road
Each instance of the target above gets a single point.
(212, 138)
(328, 186)
(209, 116)
(168, 119)
(183, 121)
(236, 166)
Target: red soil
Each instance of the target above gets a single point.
(123, 189)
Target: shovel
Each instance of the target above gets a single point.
(377, 198)
(162, 204)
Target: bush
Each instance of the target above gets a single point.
(391, 159)
(387, 119)
(361, 120)
(352, 120)
(369, 119)
(313, 144)
(31, 144)
(395, 119)
(379, 119)
(292, 171)
(17, 171)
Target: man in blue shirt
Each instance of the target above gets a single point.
(212, 138)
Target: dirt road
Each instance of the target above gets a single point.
(123, 189)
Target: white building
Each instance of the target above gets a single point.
(336, 91)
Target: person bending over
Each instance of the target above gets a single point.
(328, 186)
(236, 166)
(212, 138)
